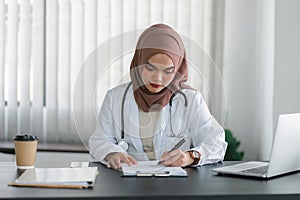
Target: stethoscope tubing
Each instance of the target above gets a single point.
(122, 141)
(122, 111)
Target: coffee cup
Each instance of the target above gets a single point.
(25, 150)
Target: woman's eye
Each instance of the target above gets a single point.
(169, 71)
(149, 67)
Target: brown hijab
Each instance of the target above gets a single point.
(158, 39)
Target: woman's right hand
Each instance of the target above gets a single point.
(115, 159)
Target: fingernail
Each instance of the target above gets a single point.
(160, 162)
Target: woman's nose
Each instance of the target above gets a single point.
(157, 76)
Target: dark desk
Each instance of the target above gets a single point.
(200, 184)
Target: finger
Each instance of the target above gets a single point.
(112, 163)
(177, 163)
(132, 160)
(164, 156)
(167, 155)
(178, 160)
(129, 160)
(173, 159)
(116, 163)
(108, 165)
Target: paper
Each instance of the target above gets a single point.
(58, 177)
(151, 168)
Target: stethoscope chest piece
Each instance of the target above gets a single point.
(123, 144)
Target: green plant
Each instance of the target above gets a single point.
(232, 152)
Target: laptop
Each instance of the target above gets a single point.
(285, 155)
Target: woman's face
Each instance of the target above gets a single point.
(158, 72)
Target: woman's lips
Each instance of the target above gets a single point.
(155, 85)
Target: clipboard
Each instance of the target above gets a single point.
(146, 174)
(77, 178)
(151, 169)
(157, 174)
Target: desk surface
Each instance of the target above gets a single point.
(201, 183)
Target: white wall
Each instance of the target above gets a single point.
(265, 76)
(261, 69)
(240, 66)
(287, 57)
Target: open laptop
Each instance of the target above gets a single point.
(285, 155)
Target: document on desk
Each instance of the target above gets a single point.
(151, 168)
(57, 178)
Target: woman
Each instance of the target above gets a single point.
(156, 110)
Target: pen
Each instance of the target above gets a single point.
(175, 147)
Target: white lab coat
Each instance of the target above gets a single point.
(200, 129)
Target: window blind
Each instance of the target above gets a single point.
(59, 57)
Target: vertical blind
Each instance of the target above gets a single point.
(58, 58)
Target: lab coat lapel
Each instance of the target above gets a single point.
(160, 131)
(131, 116)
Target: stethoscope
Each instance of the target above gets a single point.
(122, 143)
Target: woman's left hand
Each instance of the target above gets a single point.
(176, 158)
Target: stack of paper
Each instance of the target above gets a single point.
(151, 168)
(58, 177)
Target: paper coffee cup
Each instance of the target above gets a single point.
(25, 150)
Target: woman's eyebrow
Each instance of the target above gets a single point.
(150, 64)
(172, 67)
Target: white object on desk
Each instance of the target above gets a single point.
(79, 164)
(58, 177)
(151, 168)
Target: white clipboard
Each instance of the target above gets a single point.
(151, 168)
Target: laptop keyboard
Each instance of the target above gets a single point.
(257, 170)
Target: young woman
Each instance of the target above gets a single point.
(146, 118)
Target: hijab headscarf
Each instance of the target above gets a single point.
(158, 39)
